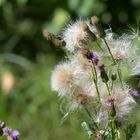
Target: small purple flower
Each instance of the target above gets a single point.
(134, 93)
(15, 134)
(95, 57)
(10, 133)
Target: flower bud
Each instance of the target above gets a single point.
(113, 77)
(134, 93)
(104, 76)
(91, 35)
(101, 67)
(57, 41)
(95, 57)
(96, 22)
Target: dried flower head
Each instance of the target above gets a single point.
(57, 41)
(90, 34)
(84, 95)
(75, 36)
(64, 78)
(80, 60)
(95, 21)
(121, 47)
(122, 100)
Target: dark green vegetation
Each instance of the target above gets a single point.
(26, 60)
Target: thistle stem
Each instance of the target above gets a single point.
(108, 89)
(113, 128)
(93, 64)
(114, 61)
(99, 46)
(95, 80)
(119, 74)
(88, 112)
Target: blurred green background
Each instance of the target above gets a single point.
(27, 59)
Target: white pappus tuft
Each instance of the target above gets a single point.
(121, 47)
(122, 100)
(136, 67)
(64, 78)
(74, 36)
(84, 94)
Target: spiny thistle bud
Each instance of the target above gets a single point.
(113, 77)
(57, 41)
(104, 76)
(103, 73)
(91, 35)
(95, 21)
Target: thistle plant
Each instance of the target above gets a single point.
(93, 77)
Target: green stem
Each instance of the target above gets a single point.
(114, 61)
(108, 89)
(88, 112)
(119, 74)
(94, 73)
(99, 46)
(98, 93)
(93, 64)
(113, 128)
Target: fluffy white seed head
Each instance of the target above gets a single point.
(136, 67)
(64, 78)
(121, 47)
(84, 95)
(74, 36)
(123, 101)
(81, 61)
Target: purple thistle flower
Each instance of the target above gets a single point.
(10, 133)
(95, 57)
(134, 93)
(15, 134)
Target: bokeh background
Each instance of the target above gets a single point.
(27, 59)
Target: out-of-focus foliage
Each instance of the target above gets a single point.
(26, 60)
